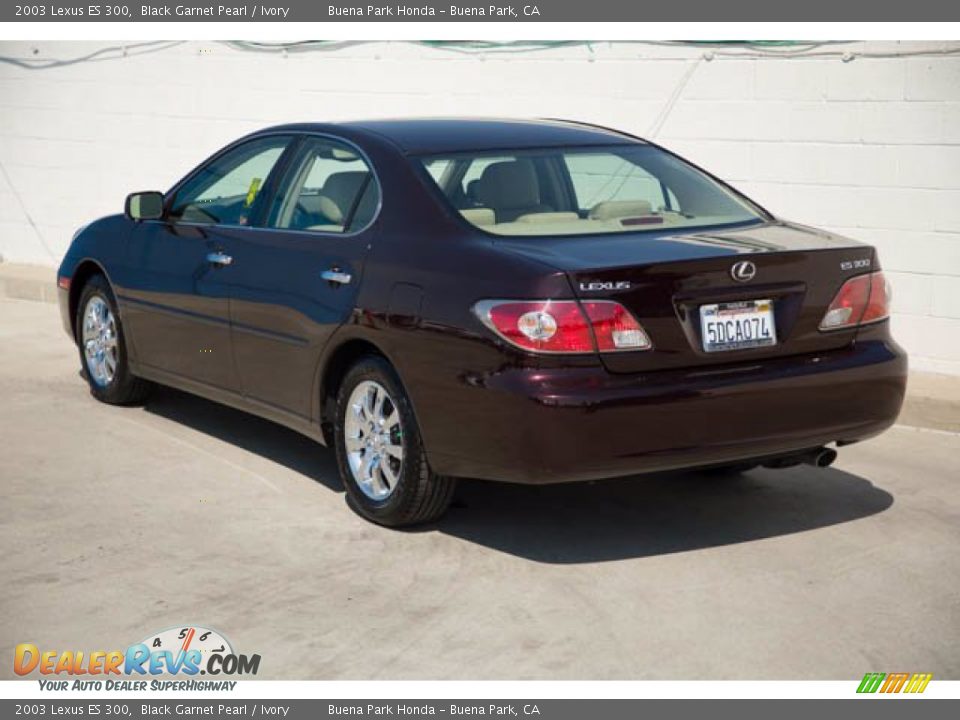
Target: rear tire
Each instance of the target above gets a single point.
(103, 347)
(380, 453)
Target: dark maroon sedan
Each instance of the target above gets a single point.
(532, 302)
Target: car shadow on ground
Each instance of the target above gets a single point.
(657, 514)
(581, 522)
(251, 433)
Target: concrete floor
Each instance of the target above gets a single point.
(116, 522)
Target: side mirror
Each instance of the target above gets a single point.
(144, 205)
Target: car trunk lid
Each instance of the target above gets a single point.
(665, 280)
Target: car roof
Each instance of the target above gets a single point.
(426, 136)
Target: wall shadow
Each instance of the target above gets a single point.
(581, 522)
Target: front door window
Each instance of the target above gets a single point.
(227, 190)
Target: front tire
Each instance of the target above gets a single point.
(380, 453)
(103, 348)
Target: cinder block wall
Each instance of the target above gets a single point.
(869, 147)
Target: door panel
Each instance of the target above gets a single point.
(282, 308)
(176, 306)
(283, 311)
(177, 302)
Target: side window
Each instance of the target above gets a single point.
(226, 190)
(608, 178)
(329, 188)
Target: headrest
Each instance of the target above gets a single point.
(472, 188)
(479, 216)
(330, 209)
(342, 188)
(508, 185)
(612, 209)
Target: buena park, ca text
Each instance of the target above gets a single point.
(454, 709)
(385, 11)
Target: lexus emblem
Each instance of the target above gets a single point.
(743, 271)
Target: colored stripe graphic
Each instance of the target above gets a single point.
(871, 682)
(918, 683)
(895, 682)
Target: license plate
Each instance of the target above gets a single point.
(737, 325)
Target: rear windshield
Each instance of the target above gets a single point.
(583, 191)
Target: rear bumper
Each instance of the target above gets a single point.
(548, 426)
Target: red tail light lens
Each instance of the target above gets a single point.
(548, 326)
(563, 326)
(862, 299)
(878, 306)
(614, 327)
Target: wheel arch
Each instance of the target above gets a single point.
(85, 270)
(332, 370)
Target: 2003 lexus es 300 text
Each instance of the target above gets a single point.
(527, 301)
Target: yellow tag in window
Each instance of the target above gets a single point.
(252, 192)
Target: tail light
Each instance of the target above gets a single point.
(563, 326)
(614, 327)
(861, 300)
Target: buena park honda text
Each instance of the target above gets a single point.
(525, 301)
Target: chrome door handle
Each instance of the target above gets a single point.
(336, 275)
(219, 258)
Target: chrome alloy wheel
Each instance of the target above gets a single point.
(373, 436)
(99, 338)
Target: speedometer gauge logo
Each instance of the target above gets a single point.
(181, 640)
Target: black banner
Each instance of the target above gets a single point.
(878, 709)
(474, 11)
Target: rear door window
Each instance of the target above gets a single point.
(328, 188)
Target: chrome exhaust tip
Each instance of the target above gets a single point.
(818, 457)
(822, 458)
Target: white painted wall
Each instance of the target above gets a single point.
(868, 147)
